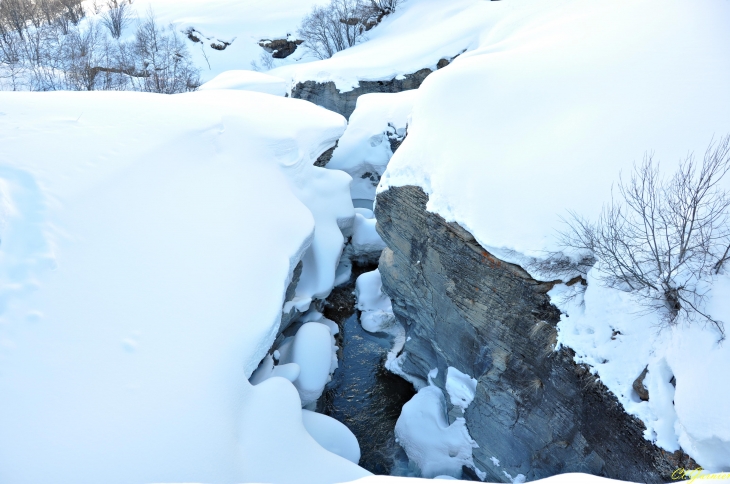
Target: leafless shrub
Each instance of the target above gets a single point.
(165, 64)
(117, 16)
(663, 239)
(54, 55)
(265, 62)
(341, 24)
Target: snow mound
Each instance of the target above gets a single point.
(147, 244)
(247, 81)
(436, 447)
(332, 435)
(365, 149)
(460, 387)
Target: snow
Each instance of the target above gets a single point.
(147, 243)
(542, 100)
(436, 447)
(332, 435)
(365, 244)
(312, 350)
(460, 387)
(548, 105)
(571, 478)
(247, 81)
(243, 23)
(364, 150)
(614, 335)
(416, 36)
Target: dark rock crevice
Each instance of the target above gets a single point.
(535, 410)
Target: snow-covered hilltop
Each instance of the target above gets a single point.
(166, 260)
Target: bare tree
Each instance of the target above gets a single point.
(117, 16)
(663, 239)
(164, 61)
(334, 27)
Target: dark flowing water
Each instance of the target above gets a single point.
(366, 397)
(362, 394)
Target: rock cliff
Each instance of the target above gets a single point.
(328, 96)
(535, 410)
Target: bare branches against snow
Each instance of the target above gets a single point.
(663, 239)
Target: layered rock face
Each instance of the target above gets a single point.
(328, 96)
(535, 410)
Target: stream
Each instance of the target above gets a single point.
(363, 395)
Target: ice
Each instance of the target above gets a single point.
(460, 387)
(147, 243)
(247, 81)
(332, 435)
(436, 447)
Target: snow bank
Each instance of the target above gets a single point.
(365, 244)
(311, 349)
(247, 81)
(554, 101)
(365, 149)
(687, 383)
(436, 447)
(418, 35)
(147, 242)
(332, 435)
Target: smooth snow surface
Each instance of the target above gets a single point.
(332, 435)
(431, 443)
(247, 81)
(147, 243)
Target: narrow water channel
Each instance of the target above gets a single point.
(363, 395)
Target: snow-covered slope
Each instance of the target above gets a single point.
(147, 242)
(241, 23)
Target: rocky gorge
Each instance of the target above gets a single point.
(536, 412)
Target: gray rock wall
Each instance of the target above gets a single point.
(535, 410)
(329, 97)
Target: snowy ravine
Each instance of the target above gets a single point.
(147, 243)
(539, 114)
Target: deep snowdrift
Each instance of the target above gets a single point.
(147, 242)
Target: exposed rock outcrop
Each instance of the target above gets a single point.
(280, 48)
(328, 96)
(535, 410)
